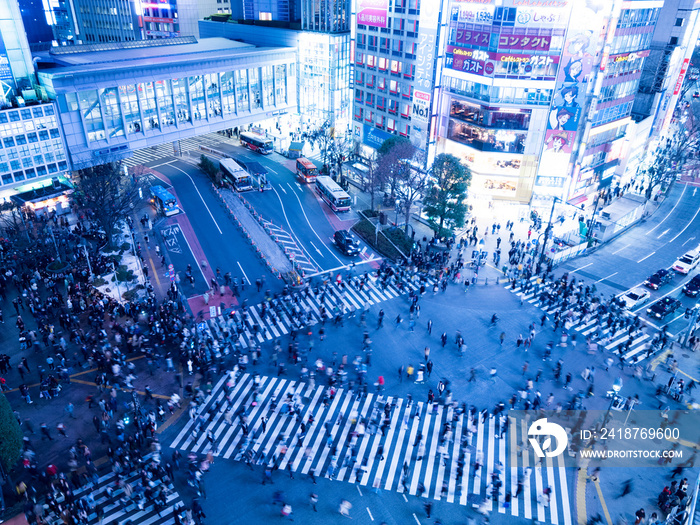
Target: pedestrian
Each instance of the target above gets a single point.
(472, 375)
(313, 500)
(401, 374)
(502, 337)
(426, 353)
(61, 429)
(344, 508)
(45, 433)
(627, 486)
(69, 410)
(286, 511)
(428, 508)
(430, 327)
(640, 517)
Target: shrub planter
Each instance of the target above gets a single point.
(58, 267)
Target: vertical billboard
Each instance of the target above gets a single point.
(425, 67)
(372, 12)
(5, 71)
(574, 76)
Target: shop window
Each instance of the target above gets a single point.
(7, 179)
(63, 165)
(30, 174)
(52, 168)
(19, 175)
(41, 170)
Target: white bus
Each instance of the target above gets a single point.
(334, 195)
(237, 176)
(256, 142)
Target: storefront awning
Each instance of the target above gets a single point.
(578, 200)
(53, 189)
(296, 146)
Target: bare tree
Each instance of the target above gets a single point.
(108, 193)
(677, 155)
(11, 219)
(393, 163)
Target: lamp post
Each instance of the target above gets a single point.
(398, 203)
(616, 387)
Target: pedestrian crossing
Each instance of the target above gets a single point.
(634, 351)
(106, 497)
(166, 150)
(423, 447)
(252, 327)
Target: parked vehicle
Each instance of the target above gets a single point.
(658, 279)
(664, 307)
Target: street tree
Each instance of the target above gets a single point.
(108, 193)
(445, 200)
(392, 163)
(371, 179)
(677, 155)
(11, 442)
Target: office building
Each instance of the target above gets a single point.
(538, 100)
(128, 96)
(397, 62)
(323, 53)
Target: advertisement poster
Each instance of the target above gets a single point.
(425, 64)
(490, 64)
(421, 107)
(372, 12)
(574, 73)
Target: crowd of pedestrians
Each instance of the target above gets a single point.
(64, 324)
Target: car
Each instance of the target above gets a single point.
(692, 288)
(635, 297)
(696, 94)
(658, 279)
(346, 242)
(660, 309)
(688, 262)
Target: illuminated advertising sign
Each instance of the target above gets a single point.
(372, 12)
(425, 67)
(681, 75)
(158, 20)
(540, 17)
(373, 137)
(473, 38)
(163, 33)
(421, 107)
(531, 43)
(473, 14)
(486, 63)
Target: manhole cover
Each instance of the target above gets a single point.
(685, 355)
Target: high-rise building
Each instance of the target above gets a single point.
(35, 22)
(397, 62)
(17, 77)
(277, 10)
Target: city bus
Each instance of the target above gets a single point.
(333, 194)
(256, 142)
(239, 178)
(163, 201)
(306, 170)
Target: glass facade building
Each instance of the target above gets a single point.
(191, 89)
(31, 144)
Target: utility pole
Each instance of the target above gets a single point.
(547, 231)
(691, 325)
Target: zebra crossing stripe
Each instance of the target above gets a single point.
(282, 442)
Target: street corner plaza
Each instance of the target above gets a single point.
(465, 458)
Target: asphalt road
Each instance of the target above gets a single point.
(222, 242)
(298, 209)
(656, 243)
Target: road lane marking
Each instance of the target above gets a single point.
(283, 190)
(358, 489)
(687, 241)
(244, 275)
(370, 514)
(291, 230)
(319, 251)
(670, 212)
(646, 257)
(608, 277)
(617, 251)
(581, 268)
(291, 188)
(582, 515)
(200, 196)
(416, 518)
(664, 233)
(313, 230)
(686, 226)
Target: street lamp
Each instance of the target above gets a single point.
(547, 232)
(398, 203)
(616, 387)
